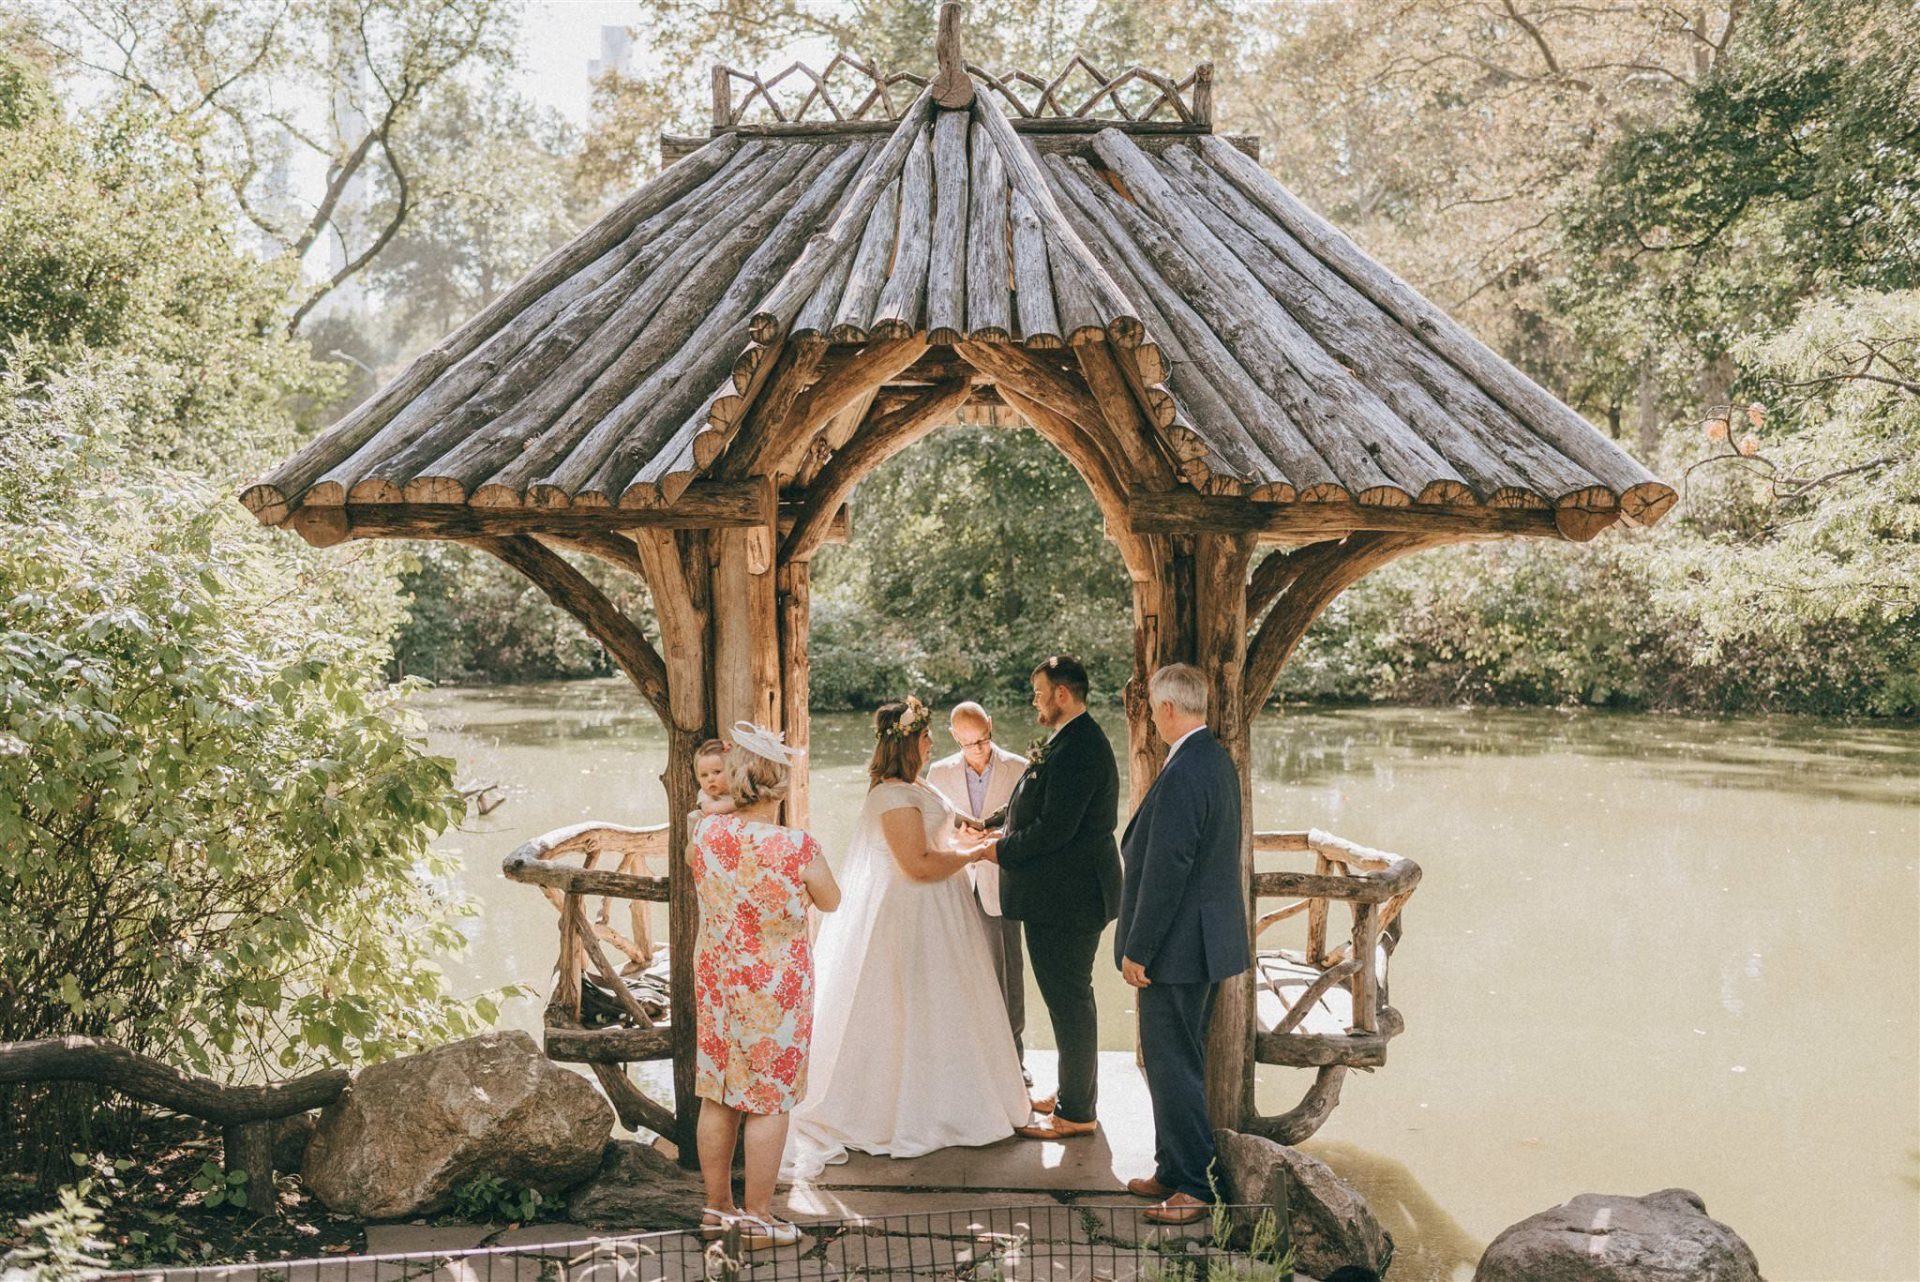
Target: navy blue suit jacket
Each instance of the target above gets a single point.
(1182, 908)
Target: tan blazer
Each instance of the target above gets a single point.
(948, 777)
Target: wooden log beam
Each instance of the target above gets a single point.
(1035, 379)
(1363, 889)
(1319, 1050)
(1185, 511)
(706, 505)
(1303, 1005)
(1080, 444)
(1270, 578)
(877, 441)
(1299, 1123)
(614, 549)
(1327, 570)
(842, 383)
(573, 592)
(107, 1063)
(585, 881)
(615, 1045)
(796, 368)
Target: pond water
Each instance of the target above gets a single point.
(1647, 951)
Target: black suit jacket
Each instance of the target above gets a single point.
(1182, 914)
(1058, 860)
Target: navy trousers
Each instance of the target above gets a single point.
(1173, 1044)
(1062, 961)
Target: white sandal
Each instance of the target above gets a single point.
(712, 1231)
(757, 1234)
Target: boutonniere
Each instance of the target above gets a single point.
(1038, 751)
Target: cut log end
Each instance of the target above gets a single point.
(1581, 524)
(266, 502)
(321, 527)
(952, 86)
(376, 489)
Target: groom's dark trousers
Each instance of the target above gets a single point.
(1183, 917)
(1060, 875)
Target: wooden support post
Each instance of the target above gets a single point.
(1220, 565)
(248, 1146)
(1366, 979)
(794, 582)
(1317, 917)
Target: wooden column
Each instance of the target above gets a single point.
(1220, 564)
(746, 652)
(793, 581)
(1162, 634)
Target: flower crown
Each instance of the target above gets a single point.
(911, 722)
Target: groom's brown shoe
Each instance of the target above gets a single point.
(1045, 1104)
(1052, 1126)
(1148, 1187)
(1181, 1208)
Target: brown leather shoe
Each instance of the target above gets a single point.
(1181, 1208)
(1052, 1126)
(1149, 1188)
(1045, 1104)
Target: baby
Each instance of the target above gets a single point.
(710, 772)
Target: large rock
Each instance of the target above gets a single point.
(637, 1190)
(1332, 1224)
(410, 1131)
(1662, 1237)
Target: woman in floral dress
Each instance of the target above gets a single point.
(753, 980)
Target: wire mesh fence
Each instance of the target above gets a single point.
(1053, 1242)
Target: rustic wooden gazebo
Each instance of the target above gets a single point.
(693, 387)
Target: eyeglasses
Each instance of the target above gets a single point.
(973, 743)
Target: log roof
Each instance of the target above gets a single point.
(773, 296)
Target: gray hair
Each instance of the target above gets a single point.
(1182, 685)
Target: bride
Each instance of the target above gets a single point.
(912, 1051)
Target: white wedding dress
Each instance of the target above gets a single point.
(912, 1050)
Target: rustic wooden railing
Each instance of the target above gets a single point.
(568, 886)
(245, 1113)
(850, 90)
(1375, 886)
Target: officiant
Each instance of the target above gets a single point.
(978, 781)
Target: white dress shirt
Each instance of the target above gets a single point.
(1175, 746)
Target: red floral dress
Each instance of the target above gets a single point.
(753, 968)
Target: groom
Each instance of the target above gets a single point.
(1060, 874)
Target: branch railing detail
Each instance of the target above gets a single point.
(1375, 886)
(568, 886)
(850, 89)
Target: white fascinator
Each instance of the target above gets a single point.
(762, 742)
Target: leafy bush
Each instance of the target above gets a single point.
(213, 820)
(489, 1199)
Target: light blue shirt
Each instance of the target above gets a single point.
(977, 787)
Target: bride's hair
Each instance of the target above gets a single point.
(895, 755)
(752, 778)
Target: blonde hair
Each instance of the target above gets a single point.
(752, 778)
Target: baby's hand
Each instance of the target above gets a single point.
(715, 805)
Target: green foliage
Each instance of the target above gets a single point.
(470, 618)
(213, 824)
(218, 1187)
(214, 816)
(64, 1242)
(109, 243)
(973, 557)
(489, 1199)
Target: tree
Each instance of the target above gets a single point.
(254, 87)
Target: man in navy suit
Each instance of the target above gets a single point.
(1182, 930)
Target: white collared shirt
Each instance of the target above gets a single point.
(1177, 742)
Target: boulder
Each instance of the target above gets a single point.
(1332, 1225)
(1662, 1237)
(291, 1135)
(637, 1190)
(408, 1132)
